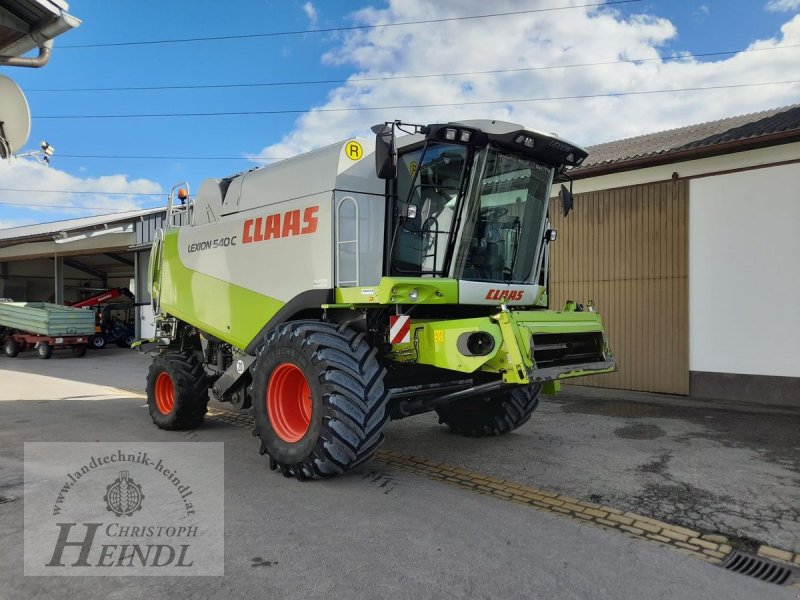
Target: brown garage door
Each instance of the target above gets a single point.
(626, 249)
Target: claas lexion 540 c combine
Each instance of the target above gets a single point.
(369, 280)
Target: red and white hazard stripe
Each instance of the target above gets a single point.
(399, 329)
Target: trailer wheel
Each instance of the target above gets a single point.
(79, 350)
(177, 391)
(44, 350)
(126, 342)
(98, 342)
(496, 414)
(318, 398)
(11, 348)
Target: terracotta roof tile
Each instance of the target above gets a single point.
(712, 133)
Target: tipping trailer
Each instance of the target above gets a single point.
(368, 280)
(44, 327)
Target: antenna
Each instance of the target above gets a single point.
(15, 118)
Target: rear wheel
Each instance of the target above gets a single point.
(493, 415)
(98, 342)
(318, 398)
(44, 350)
(11, 348)
(79, 350)
(125, 342)
(177, 391)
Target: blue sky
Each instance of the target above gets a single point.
(646, 28)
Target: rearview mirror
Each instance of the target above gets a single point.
(385, 160)
(566, 199)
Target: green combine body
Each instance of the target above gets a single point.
(369, 280)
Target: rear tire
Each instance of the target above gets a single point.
(79, 350)
(11, 348)
(177, 391)
(126, 342)
(98, 342)
(497, 414)
(44, 350)
(318, 398)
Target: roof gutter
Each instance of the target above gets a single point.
(51, 236)
(41, 38)
(754, 143)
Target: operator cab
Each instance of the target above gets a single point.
(470, 200)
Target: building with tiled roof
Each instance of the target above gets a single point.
(744, 132)
(688, 241)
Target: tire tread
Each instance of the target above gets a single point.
(354, 398)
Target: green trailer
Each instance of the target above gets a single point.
(44, 327)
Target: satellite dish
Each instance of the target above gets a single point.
(15, 117)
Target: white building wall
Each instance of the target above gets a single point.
(689, 168)
(744, 272)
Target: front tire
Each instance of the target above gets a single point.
(79, 350)
(44, 350)
(98, 342)
(318, 398)
(496, 414)
(177, 391)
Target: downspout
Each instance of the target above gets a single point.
(45, 51)
(41, 38)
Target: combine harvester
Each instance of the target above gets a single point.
(365, 281)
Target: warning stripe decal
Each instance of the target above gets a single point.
(399, 329)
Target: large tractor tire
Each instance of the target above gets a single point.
(496, 414)
(318, 398)
(177, 391)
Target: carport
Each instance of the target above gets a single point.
(68, 261)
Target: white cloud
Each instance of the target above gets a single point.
(311, 13)
(8, 223)
(24, 174)
(783, 5)
(579, 35)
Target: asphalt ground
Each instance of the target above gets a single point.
(384, 530)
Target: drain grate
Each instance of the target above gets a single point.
(757, 567)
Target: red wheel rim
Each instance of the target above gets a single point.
(289, 402)
(165, 393)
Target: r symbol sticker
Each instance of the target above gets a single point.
(353, 150)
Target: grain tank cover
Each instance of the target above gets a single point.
(208, 201)
(347, 165)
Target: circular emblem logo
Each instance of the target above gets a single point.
(353, 150)
(124, 496)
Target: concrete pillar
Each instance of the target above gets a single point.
(58, 264)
